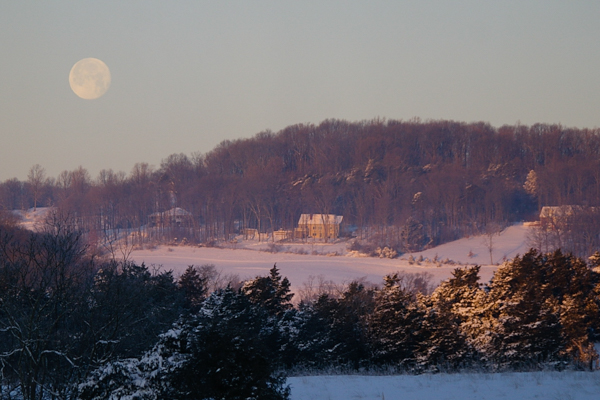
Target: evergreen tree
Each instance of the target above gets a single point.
(445, 315)
(220, 353)
(313, 341)
(273, 295)
(333, 331)
(193, 286)
(130, 307)
(271, 292)
(543, 308)
(572, 284)
(349, 325)
(345, 321)
(228, 353)
(119, 379)
(394, 326)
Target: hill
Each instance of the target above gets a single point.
(405, 185)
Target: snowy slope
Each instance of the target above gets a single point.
(505, 246)
(331, 261)
(30, 219)
(340, 269)
(466, 386)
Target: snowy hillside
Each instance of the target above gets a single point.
(30, 219)
(467, 386)
(475, 250)
(333, 262)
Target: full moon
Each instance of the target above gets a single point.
(89, 78)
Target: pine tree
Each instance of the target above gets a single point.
(312, 341)
(193, 286)
(446, 317)
(543, 307)
(395, 324)
(222, 352)
(333, 331)
(273, 295)
(271, 292)
(116, 380)
(349, 327)
(572, 283)
(228, 353)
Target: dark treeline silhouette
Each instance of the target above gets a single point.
(404, 184)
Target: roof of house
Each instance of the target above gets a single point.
(320, 219)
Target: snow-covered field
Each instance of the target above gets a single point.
(329, 261)
(333, 262)
(566, 385)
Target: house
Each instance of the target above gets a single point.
(569, 217)
(318, 226)
(551, 216)
(173, 217)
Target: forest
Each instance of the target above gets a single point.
(407, 185)
(76, 325)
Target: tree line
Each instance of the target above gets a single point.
(402, 184)
(77, 326)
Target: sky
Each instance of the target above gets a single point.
(187, 75)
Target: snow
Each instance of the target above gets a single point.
(249, 259)
(509, 243)
(466, 386)
(299, 261)
(32, 219)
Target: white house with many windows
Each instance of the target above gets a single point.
(319, 226)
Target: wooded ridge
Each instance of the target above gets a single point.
(402, 184)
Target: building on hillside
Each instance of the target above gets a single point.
(551, 216)
(175, 217)
(319, 226)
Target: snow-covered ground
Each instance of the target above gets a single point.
(333, 261)
(32, 219)
(474, 250)
(566, 385)
(329, 261)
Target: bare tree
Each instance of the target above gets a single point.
(492, 230)
(43, 281)
(36, 177)
(316, 286)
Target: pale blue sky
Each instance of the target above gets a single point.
(188, 74)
